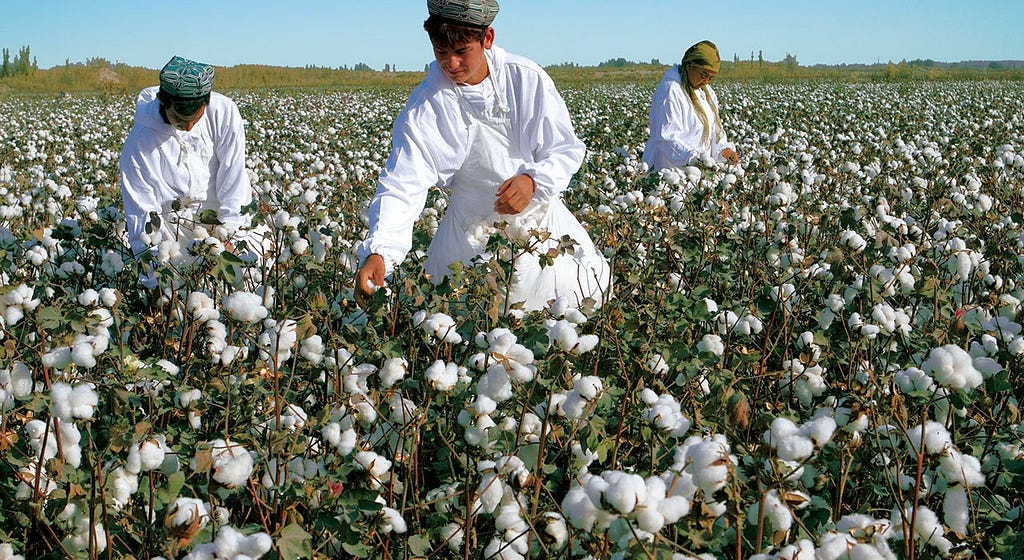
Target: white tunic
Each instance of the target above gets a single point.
(676, 131)
(470, 139)
(200, 169)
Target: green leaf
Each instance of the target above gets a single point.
(419, 545)
(209, 217)
(295, 543)
(231, 258)
(175, 482)
(49, 318)
(359, 550)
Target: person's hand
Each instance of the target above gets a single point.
(731, 156)
(369, 278)
(514, 194)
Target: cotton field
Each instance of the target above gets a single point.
(815, 354)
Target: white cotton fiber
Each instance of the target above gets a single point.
(953, 367)
(936, 438)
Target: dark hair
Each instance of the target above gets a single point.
(184, 106)
(445, 34)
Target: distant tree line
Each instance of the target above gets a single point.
(23, 64)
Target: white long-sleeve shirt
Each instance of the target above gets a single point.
(205, 166)
(676, 131)
(430, 141)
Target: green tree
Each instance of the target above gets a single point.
(6, 69)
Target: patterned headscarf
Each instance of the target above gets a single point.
(186, 78)
(703, 55)
(470, 13)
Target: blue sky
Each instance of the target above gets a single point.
(378, 32)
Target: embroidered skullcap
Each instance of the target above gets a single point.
(703, 55)
(182, 77)
(469, 13)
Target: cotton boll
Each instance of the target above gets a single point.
(775, 512)
(579, 509)
(58, 358)
(489, 493)
(403, 411)
(555, 532)
(121, 485)
(926, 526)
(21, 382)
(795, 448)
(495, 384)
(312, 349)
(956, 509)
(624, 490)
(961, 469)
(452, 535)
(563, 335)
(245, 307)
(231, 463)
(936, 438)
(953, 367)
(819, 430)
(709, 464)
(392, 371)
(656, 363)
(585, 344)
(712, 344)
(441, 376)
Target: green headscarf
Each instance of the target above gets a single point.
(702, 55)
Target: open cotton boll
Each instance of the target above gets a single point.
(344, 442)
(185, 517)
(58, 358)
(624, 491)
(775, 512)
(495, 384)
(563, 335)
(953, 367)
(962, 469)
(312, 349)
(392, 371)
(403, 411)
(709, 464)
(819, 430)
(657, 364)
(20, 382)
(442, 376)
(245, 307)
(231, 463)
(453, 536)
(712, 344)
(914, 382)
(373, 463)
(579, 509)
(956, 509)
(926, 526)
(936, 438)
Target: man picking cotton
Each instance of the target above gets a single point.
(490, 127)
(184, 154)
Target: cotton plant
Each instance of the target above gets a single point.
(665, 413)
(439, 327)
(15, 383)
(232, 543)
(229, 464)
(563, 336)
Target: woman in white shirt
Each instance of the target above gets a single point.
(684, 120)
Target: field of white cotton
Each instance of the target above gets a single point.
(814, 354)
